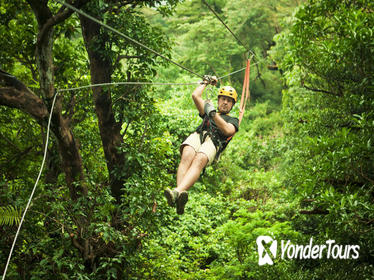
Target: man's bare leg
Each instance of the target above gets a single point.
(189, 170)
(188, 154)
(193, 173)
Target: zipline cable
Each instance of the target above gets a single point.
(125, 36)
(151, 50)
(232, 73)
(146, 83)
(228, 28)
(237, 71)
(33, 190)
(126, 83)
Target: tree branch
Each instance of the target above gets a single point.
(273, 67)
(76, 243)
(127, 126)
(120, 57)
(320, 90)
(25, 101)
(10, 142)
(259, 76)
(10, 80)
(29, 65)
(71, 106)
(143, 136)
(314, 212)
(47, 20)
(17, 95)
(17, 157)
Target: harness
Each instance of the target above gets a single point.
(207, 129)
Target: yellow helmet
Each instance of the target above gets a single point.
(228, 91)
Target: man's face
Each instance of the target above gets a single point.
(225, 104)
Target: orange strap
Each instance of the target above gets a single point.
(245, 92)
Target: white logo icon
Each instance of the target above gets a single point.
(263, 253)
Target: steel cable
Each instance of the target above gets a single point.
(125, 36)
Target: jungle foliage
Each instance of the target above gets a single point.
(300, 167)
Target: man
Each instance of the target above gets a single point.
(206, 143)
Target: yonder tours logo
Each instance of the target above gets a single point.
(264, 254)
(267, 250)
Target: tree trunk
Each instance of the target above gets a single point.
(68, 147)
(101, 70)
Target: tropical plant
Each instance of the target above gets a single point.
(9, 215)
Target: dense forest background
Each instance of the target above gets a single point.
(301, 166)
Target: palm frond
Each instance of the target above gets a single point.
(10, 215)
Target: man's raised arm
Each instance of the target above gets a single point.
(197, 98)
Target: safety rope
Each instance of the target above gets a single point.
(125, 36)
(245, 91)
(34, 188)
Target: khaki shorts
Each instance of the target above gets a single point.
(206, 148)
